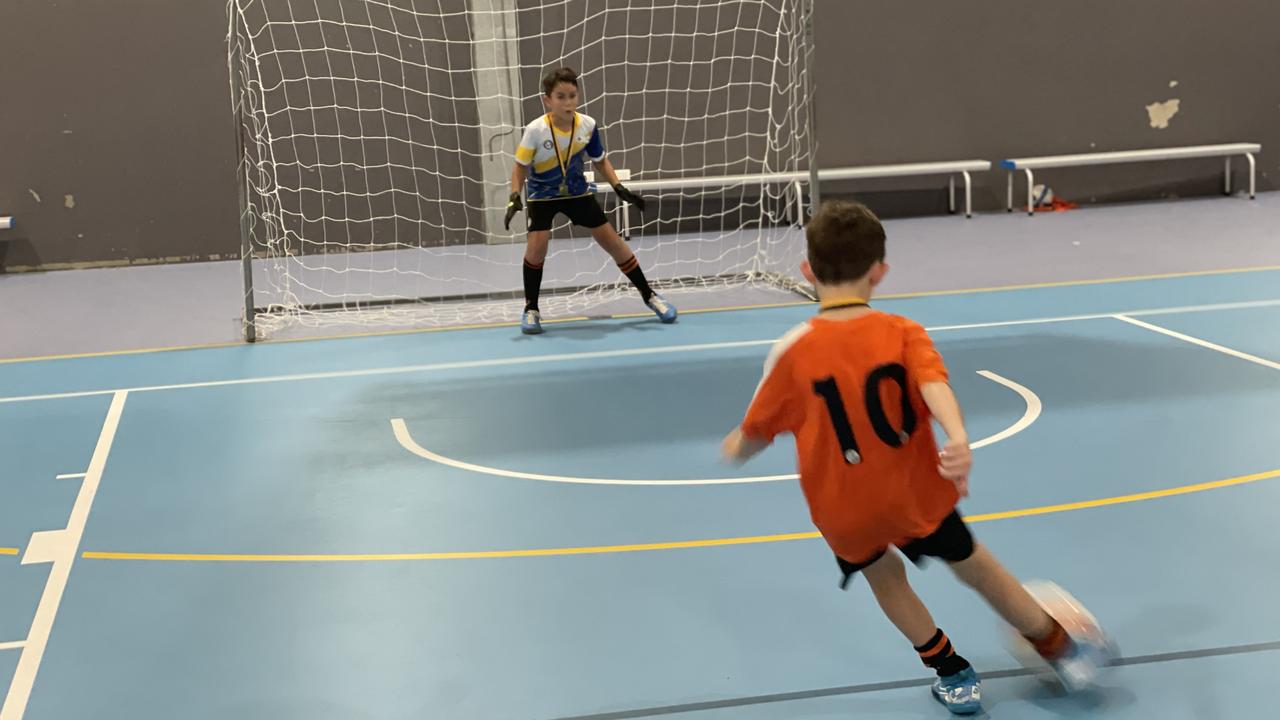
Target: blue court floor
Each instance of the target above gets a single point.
(474, 524)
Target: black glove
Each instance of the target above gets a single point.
(627, 196)
(513, 206)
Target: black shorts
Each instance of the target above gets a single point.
(951, 542)
(583, 211)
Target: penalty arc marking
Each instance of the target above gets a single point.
(401, 430)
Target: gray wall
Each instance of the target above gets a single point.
(124, 107)
(923, 80)
(117, 114)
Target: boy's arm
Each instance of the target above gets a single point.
(738, 448)
(605, 168)
(774, 408)
(519, 174)
(924, 363)
(946, 409)
(955, 460)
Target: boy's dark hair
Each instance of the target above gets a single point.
(845, 239)
(557, 76)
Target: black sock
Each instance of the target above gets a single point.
(631, 268)
(532, 285)
(939, 655)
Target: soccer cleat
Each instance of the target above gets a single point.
(960, 693)
(531, 322)
(665, 311)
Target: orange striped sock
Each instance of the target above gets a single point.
(941, 656)
(1053, 644)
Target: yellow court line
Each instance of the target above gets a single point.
(8, 551)
(1078, 283)
(678, 545)
(762, 306)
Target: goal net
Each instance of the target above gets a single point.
(377, 137)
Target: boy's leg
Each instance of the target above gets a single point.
(888, 579)
(608, 238)
(982, 572)
(1076, 659)
(587, 213)
(617, 248)
(957, 686)
(535, 254)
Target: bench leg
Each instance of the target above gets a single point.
(1253, 176)
(951, 194)
(1031, 181)
(968, 195)
(1226, 183)
(1008, 203)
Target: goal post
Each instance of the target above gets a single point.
(376, 139)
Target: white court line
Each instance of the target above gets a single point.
(1101, 316)
(458, 365)
(1202, 343)
(12, 645)
(1029, 416)
(597, 355)
(58, 547)
(69, 476)
(406, 441)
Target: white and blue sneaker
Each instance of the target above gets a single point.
(665, 311)
(1080, 666)
(531, 323)
(960, 693)
(1091, 650)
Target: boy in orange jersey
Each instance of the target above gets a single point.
(858, 387)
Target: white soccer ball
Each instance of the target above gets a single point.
(1041, 195)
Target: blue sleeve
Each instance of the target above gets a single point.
(595, 147)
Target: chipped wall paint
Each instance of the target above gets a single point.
(1161, 113)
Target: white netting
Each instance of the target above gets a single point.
(377, 140)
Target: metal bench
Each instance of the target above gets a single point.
(796, 180)
(1028, 164)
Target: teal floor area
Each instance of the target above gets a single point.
(477, 525)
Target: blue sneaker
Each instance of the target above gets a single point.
(1090, 650)
(665, 311)
(1079, 667)
(531, 323)
(960, 693)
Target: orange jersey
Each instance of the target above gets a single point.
(849, 390)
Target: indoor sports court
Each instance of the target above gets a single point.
(301, 462)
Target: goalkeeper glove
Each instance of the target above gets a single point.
(513, 206)
(627, 196)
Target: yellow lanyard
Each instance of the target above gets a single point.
(838, 303)
(564, 164)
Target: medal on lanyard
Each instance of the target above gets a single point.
(564, 164)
